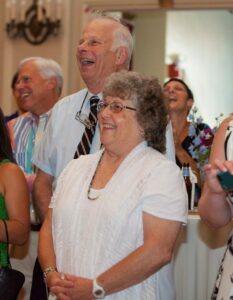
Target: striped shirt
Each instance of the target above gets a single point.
(24, 131)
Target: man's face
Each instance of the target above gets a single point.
(32, 89)
(95, 56)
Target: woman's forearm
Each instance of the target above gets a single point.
(214, 208)
(144, 261)
(45, 249)
(134, 268)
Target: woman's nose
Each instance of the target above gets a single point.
(170, 91)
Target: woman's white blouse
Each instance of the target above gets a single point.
(91, 236)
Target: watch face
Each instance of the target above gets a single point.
(99, 292)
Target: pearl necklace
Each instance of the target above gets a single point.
(92, 179)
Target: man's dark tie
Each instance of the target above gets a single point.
(85, 144)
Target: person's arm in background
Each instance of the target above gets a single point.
(42, 192)
(170, 147)
(213, 206)
(14, 189)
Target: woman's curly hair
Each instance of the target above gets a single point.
(146, 94)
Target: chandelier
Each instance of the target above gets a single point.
(34, 23)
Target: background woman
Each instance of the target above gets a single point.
(14, 197)
(192, 140)
(115, 215)
(216, 204)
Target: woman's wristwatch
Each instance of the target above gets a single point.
(98, 291)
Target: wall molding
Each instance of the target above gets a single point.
(111, 5)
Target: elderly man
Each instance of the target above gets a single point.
(39, 85)
(105, 47)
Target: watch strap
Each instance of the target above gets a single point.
(98, 291)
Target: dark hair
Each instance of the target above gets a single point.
(146, 94)
(189, 92)
(14, 80)
(5, 143)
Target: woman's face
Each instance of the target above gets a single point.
(177, 97)
(119, 130)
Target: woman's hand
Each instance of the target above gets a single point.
(81, 288)
(211, 171)
(59, 282)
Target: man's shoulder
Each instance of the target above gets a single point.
(72, 99)
(25, 118)
(64, 111)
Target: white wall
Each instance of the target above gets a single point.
(149, 50)
(204, 40)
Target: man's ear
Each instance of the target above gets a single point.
(121, 55)
(52, 83)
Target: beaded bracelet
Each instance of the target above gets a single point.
(48, 270)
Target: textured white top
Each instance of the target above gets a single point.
(91, 236)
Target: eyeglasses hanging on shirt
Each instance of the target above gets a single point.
(83, 117)
(89, 122)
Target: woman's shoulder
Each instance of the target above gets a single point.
(84, 159)
(156, 158)
(6, 163)
(224, 126)
(228, 122)
(9, 169)
(83, 162)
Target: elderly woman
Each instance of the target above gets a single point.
(216, 203)
(192, 140)
(115, 215)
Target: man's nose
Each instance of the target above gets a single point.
(19, 84)
(82, 47)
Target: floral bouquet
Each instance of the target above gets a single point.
(201, 136)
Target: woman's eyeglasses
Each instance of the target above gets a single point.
(115, 107)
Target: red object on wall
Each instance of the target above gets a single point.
(173, 70)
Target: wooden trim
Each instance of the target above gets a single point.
(122, 5)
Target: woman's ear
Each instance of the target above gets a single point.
(190, 103)
(121, 55)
